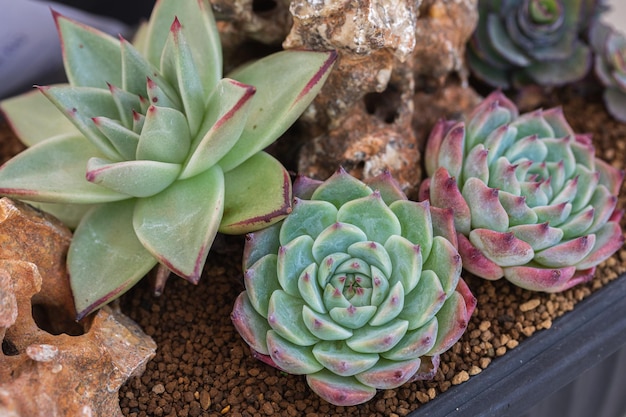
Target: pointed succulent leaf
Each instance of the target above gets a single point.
(148, 177)
(328, 266)
(260, 243)
(537, 278)
(418, 342)
(261, 280)
(373, 254)
(105, 258)
(423, 302)
(370, 339)
(452, 150)
(91, 58)
(538, 235)
(389, 374)
(243, 214)
(340, 188)
(609, 239)
(250, 325)
(307, 218)
(293, 259)
(323, 326)
(406, 260)
(124, 140)
(228, 108)
(390, 307)
(502, 248)
(444, 261)
(291, 358)
(136, 69)
(285, 317)
(339, 390)
(50, 122)
(444, 192)
(341, 360)
(336, 238)
(388, 188)
(476, 165)
(452, 318)
(54, 171)
(566, 253)
(310, 291)
(371, 215)
(279, 101)
(416, 223)
(352, 317)
(165, 136)
(485, 207)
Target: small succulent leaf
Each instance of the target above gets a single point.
(423, 302)
(475, 262)
(453, 319)
(485, 71)
(228, 108)
(304, 187)
(559, 150)
(558, 183)
(588, 181)
(352, 317)
(291, 358)
(433, 144)
(69, 214)
(91, 58)
(338, 390)
(406, 260)
(502, 177)
(261, 280)
(489, 116)
(443, 225)
(178, 225)
(80, 105)
(178, 66)
(380, 286)
(531, 124)
(285, 317)
(196, 17)
(562, 71)
(328, 266)
(499, 140)
(604, 203)
(578, 224)
(387, 186)
(260, 243)
(485, 207)
(105, 258)
(293, 259)
(279, 101)
(133, 178)
(354, 266)
(50, 122)
(444, 260)
(251, 326)
(307, 218)
(615, 101)
(390, 307)
(340, 188)
(452, 150)
(444, 192)
(502, 248)
(416, 223)
(336, 238)
(566, 253)
(502, 43)
(160, 94)
(323, 326)
(374, 254)
(165, 136)
(609, 239)
(528, 147)
(610, 176)
(243, 214)
(534, 194)
(537, 278)
(372, 216)
(138, 121)
(124, 141)
(390, 374)
(334, 298)
(538, 235)
(370, 339)
(310, 291)
(554, 214)
(53, 171)
(557, 121)
(341, 360)
(476, 165)
(416, 343)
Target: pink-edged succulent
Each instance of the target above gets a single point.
(149, 151)
(358, 288)
(531, 201)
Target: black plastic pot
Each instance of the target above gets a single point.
(577, 368)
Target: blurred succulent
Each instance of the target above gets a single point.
(531, 202)
(358, 288)
(160, 152)
(609, 46)
(518, 42)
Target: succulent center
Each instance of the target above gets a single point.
(544, 12)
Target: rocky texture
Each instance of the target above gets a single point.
(51, 365)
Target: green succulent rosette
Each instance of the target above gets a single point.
(149, 151)
(518, 42)
(531, 201)
(358, 288)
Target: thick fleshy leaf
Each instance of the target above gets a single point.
(53, 171)
(372, 216)
(377, 339)
(352, 317)
(165, 136)
(250, 325)
(261, 280)
(561, 72)
(485, 207)
(338, 390)
(374, 254)
(415, 343)
(224, 119)
(502, 248)
(285, 317)
(444, 192)
(390, 374)
(123, 140)
(50, 122)
(341, 360)
(387, 186)
(196, 17)
(133, 178)
(536, 278)
(293, 259)
(340, 188)
(336, 238)
(278, 101)
(105, 258)
(453, 319)
(421, 304)
(179, 224)
(538, 235)
(445, 261)
(309, 289)
(69, 214)
(416, 223)
(291, 358)
(259, 244)
(323, 326)
(91, 58)
(566, 253)
(307, 218)
(452, 150)
(390, 307)
(609, 239)
(406, 260)
(476, 262)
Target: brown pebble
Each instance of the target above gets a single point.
(158, 389)
(460, 378)
(530, 305)
(205, 400)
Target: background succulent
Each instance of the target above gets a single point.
(358, 288)
(609, 46)
(160, 152)
(531, 202)
(518, 42)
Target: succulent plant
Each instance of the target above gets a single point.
(531, 201)
(518, 42)
(358, 288)
(150, 152)
(609, 46)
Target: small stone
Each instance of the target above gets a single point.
(158, 389)
(460, 378)
(205, 400)
(530, 305)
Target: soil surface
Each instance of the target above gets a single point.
(203, 368)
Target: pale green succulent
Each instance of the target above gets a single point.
(358, 288)
(150, 152)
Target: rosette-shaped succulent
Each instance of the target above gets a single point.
(531, 201)
(152, 149)
(609, 46)
(358, 288)
(518, 42)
